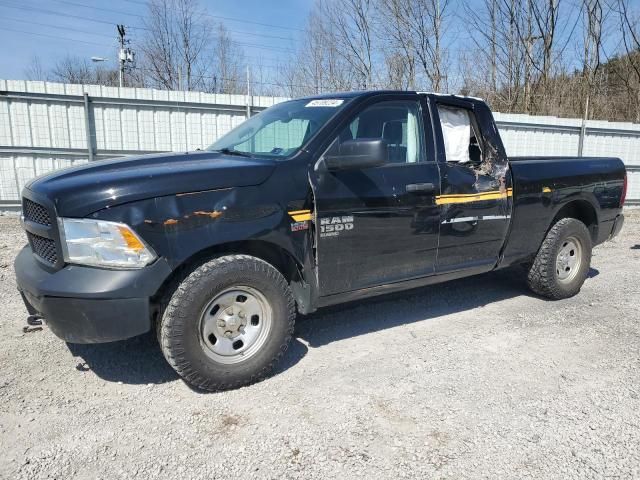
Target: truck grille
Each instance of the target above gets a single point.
(35, 212)
(42, 231)
(45, 248)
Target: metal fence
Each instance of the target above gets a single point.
(45, 126)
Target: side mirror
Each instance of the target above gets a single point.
(358, 154)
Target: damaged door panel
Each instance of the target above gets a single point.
(476, 189)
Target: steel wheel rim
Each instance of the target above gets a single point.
(569, 260)
(235, 324)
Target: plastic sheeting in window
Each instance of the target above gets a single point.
(456, 131)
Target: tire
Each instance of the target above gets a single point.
(563, 261)
(228, 323)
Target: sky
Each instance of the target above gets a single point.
(53, 29)
(267, 31)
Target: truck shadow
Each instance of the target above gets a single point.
(139, 360)
(422, 304)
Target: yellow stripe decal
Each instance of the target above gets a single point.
(300, 215)
(472, 197)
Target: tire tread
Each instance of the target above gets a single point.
(541, 276)
(170, 333)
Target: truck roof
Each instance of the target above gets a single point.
(367, 93)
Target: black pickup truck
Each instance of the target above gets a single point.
(312, 202)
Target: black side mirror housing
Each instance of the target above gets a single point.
(358, 154)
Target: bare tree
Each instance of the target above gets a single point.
(627, 68)
(228, 74)
(418, 28)
(175, 48)
(72, 69)
(319, 65)
(493, 69)
(350, 26)
(534, 56)
(400, 55)
(35, 70)
(591, 49)
(159, 49)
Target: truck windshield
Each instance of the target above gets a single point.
(281, 130)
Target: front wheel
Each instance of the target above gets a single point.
(563, 261)
(228, 323)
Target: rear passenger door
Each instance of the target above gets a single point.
(476, 192)
(378, 225)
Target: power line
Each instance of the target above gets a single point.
(51, 12)
(231, 19)
(120, 12)
(48, 25)
(262, 35)
(260, 47)
(52, 36)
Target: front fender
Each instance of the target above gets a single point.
(179, 226)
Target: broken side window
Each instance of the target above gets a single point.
(456, 132)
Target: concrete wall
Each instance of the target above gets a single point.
(45, 126)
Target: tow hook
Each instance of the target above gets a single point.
(34, 320)
(34, 324)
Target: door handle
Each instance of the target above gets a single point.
(420, 188)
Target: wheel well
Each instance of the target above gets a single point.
(580, 210)
(269, 252)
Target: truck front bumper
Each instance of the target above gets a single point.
(90, 305)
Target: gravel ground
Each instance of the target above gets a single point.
(475, 378)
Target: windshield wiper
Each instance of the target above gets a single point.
(231, 151)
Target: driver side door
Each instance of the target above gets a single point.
(378, 225)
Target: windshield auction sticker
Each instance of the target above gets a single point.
(325, 102)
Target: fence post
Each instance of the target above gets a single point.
(87, 126)
(583, 132)
(583, 127)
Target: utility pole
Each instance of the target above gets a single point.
(121, 55)
(125, 56)
(248, 92)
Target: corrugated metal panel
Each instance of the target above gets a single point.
(633, 186)
(51, 117)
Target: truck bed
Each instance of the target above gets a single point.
(592, 185)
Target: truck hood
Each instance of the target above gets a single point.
(79, 191)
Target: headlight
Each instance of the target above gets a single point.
(103, 244)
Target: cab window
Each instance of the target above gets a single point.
(461, 135)
(397, 122)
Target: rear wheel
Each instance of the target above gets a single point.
(562, 263)
(228, 323)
